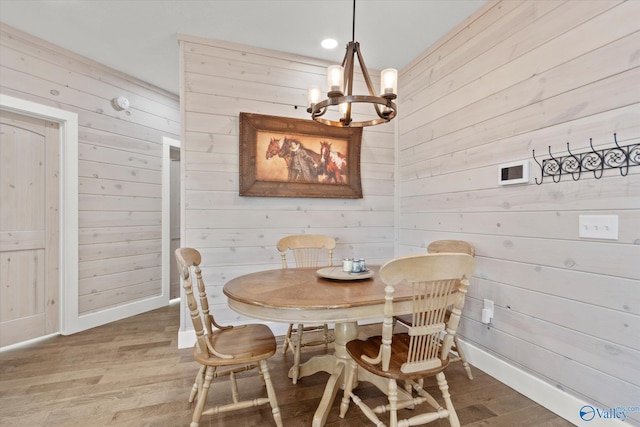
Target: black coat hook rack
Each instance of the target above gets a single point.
(596, 161)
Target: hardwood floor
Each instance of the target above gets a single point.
(130, 373)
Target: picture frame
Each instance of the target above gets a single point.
(287, 157)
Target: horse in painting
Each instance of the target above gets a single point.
(275, 149)
(334, 163)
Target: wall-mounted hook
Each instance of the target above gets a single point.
(596, 161)
(572, 165)
(554, 164)
(541, 168)
(625, 157)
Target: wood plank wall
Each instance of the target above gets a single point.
(517, 76)
(238, 235)
(119, 163)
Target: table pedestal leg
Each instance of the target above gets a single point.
(344, 332)
(337, 366)
(324, 363)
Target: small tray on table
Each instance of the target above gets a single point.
(336, 273)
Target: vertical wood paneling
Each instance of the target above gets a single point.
(237, 235)
(566, 308)
(120, 163)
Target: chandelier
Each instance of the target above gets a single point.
(340, 80)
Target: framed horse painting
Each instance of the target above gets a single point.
(285, 157)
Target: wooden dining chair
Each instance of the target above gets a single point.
(437, 282)
(309, 251)
(451, 246)
(448, 246)
(223, 350)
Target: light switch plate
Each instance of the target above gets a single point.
(599, 227)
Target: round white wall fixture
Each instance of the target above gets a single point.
(120, 103)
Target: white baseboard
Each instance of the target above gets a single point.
(543, 393)
(186, 339)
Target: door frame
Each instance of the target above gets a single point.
(68, 204)
(167, 143)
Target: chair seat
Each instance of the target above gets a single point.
(399, 350)
(246, 343)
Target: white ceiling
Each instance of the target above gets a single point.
(139, 37)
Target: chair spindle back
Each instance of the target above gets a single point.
(307, 249)
(438, 281)
(452, 246)
(203, 321)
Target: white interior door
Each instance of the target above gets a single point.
(29, 228)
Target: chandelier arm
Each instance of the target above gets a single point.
(367, 79)
(317, 112)
(365, 72)
(348, 78)
(348, 73)
(348, 56)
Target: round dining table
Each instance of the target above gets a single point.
(301, 295)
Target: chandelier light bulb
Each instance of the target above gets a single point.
(342, 108)
(314, 94)
(335, 78)
(388, 82)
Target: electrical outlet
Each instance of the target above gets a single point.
(488, 304)
(487, 311)
(598, 227)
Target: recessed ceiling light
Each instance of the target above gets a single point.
(329, 43)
